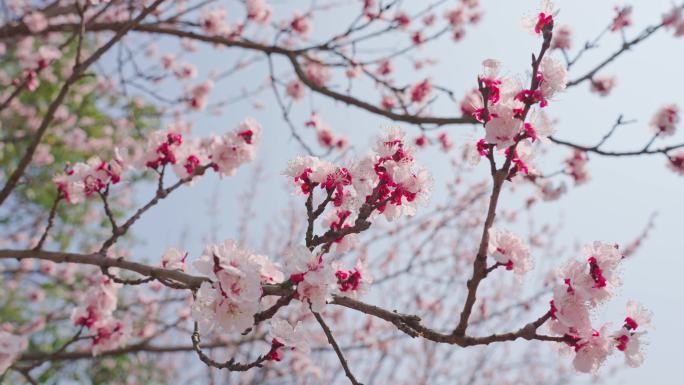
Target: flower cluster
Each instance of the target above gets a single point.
(231, 150)
(315, 278)
(84, 179)
(388, 179)
(231, 299)
(96, 313)
(585, 285)
(187, 157)
(509, 250)
(506, 101)
(353, 283)
(503, 105)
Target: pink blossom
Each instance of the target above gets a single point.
(353, 71)
(36, 295)
(42, 156)
(562, 38)
(212, 20)
(168, 61)
(539, 126)
(259, 11)
(429, 19)
(185, 71)
(388, 102)
(199, 95)
(602, 85)
(230, 301)
(417, 38)
(627, 339)
(676, 162)
(490, 81)
(503, 127)
(549, 192)
(444, 141)
(665, 120)
(190, 156)
(403, 185)
(98, 304)
(296, 90)
(421, 141)
(283, 335)
(402, 20)
(162, 148)
(317, 72)
(421, 91)
(591, 351)
(569, 313)
(622, 19)
(553, 76)
(300, 24)
(471, 103)
(455, 17)
(110, 335)
(48, 267)
(307, 171)
(82, 180)
(46, 54)
(637, 316)
(597, 278)
(630, 344)
(507, 249)
(672, 18)
(314, 277)
(576, 167)
(231, 150)
(538, 23)
(353, 283)
(385, 68)
(335, 220)
(174, 259)
(270, 272)
(471, 153)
